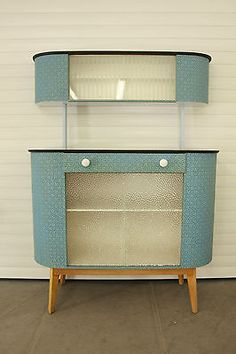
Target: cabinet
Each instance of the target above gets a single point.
(122, 211)
(121, 76)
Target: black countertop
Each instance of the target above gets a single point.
(133, 151)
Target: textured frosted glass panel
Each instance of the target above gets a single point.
(123, 238)
(151, 191)
(156, 191)
(95, 238)
(95, 190)
(124, 218)
(153, 238)
(122, 77)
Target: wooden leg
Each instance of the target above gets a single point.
(62, 279)
(59, 274)
(192, 287)
(54, 277)
(181, 279)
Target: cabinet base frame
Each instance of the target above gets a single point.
(59, 274)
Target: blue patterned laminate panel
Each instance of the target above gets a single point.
(49, 215)
(192, 78)
(51, 78)
(198, 210)
(120, 162)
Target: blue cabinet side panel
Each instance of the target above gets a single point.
(51, 78)
(192, 74)
(49, 214)
(198, 210)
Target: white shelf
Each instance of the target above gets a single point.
(125, 210)
(101, 78)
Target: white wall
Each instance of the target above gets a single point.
(28, 27)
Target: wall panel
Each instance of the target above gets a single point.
(29, 27)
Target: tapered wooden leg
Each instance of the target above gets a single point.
(54, 277)
(181, 279)
(59, 274)
(62, 279)
(192, 287)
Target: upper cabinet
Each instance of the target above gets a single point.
(112, 76)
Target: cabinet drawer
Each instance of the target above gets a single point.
(125, 162)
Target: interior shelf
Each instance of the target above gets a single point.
(101, 78)
(125, 210)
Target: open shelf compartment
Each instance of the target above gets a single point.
(122, 78)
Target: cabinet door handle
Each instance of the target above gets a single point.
(163, 162)
(85, 162)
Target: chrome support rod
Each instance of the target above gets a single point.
(65, 126)
(181, 126)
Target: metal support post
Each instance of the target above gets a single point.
(65, 126)
(181, 126)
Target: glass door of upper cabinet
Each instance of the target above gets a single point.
(124, 219)
(122, 78)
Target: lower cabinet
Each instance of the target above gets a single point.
(124, 210)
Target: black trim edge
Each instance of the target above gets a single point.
(123, 151)
(117, 52)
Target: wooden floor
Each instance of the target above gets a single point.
(117, 317)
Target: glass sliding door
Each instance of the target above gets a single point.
(124, 219)
(122, 77)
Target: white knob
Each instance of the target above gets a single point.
(163, 163)
(85, 162)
